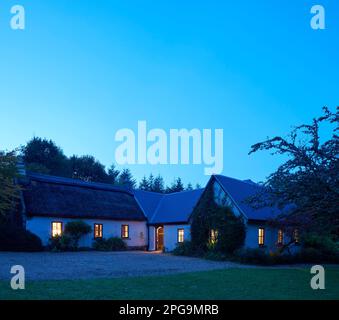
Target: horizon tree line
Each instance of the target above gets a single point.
(44, 156)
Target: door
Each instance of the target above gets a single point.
(160, 238)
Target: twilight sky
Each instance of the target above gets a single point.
(83, 69)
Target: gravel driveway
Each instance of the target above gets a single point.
(85, 265)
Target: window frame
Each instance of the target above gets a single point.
(296, 237)
(178, 235)
(214, 233)
(280, 240)
(62, 228)
(123, 231)
(261, 238)
(101, 230)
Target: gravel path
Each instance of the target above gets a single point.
(86, 265)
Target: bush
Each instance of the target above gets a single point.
(310, 255)
(69, 240)
(61, 243)
(110, 244)
(318, 249)
(184, 249)
(76, 230)
(253, 256)
(13, 238)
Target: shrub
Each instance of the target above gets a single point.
(184, 249)
(110, 244)
(322, 246)
(254, 256)
(318, 249)
(310, 255)
(69, 240)
(61, 243)
(13, 238)
(77, 229)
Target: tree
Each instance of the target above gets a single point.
(42, 155)
(9, 190)
(143, 185)
(126, 179)
(198, 186)
(158, 184)
(215, 228)
(113, 174)
(307, 182)
(177, 186)
(189, 187)
(87, 168)
(150, 182)
(75, 230)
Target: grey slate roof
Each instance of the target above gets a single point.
(62, 197)
(239, 191)
(168, 208)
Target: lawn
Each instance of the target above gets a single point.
(254, 283)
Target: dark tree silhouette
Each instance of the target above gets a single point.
(44, 156)
(144, 185)
(9, 191)
(158, 184)
(87, 168)
(126, 179)
(113, 174)
(308, 179)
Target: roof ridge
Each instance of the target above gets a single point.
(239, 180)
(76, 182)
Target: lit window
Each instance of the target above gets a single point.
(56, 229)
(181, 235)
(280, 237)
(296, 236)
(125, 231)
(98, 230)
(213, 236)
(261, 236)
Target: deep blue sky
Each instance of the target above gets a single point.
(84, 69)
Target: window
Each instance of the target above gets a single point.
(296, 236)
(181, 235)
(213, 236)
(98, 230)
(125, 231)
(261, 236)
(56, 229)
(280, 237)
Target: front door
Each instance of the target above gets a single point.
(160, 238)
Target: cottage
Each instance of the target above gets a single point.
(145, 220)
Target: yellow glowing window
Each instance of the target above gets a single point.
(296, 236)
(261, 236)
(181, 235)
(213, 236)
(125, 231)
(280, 237)
(98, 230)
(56, 229)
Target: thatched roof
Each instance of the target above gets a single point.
(68, 198)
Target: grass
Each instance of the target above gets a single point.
(253, 283)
